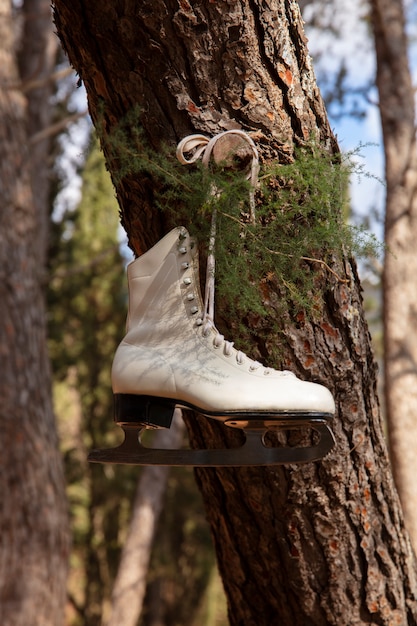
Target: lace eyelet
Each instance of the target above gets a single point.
(267, 372)
(187, 281)
(185, 265)
(190, 296)
(194, 310)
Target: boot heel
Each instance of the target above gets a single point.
(147, 410)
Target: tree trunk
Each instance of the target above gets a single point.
(397, 110)
(129, 588)
(33, 515)
(319, 544)
(37, 61)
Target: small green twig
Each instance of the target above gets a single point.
(286, 254)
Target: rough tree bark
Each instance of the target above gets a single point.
(397, 110)
(33, 515)
(320, 544)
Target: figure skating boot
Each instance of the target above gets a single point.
(173, 356)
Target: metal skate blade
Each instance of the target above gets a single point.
(293, 421)
(252, 453)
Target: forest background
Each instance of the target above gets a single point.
(87, 307)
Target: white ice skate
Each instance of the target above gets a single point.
(173, 356)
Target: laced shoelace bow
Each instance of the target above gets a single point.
(200, 146)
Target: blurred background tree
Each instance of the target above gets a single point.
(34, 530)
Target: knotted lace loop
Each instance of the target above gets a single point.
(203, 148)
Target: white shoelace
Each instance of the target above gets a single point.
(202, 147)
